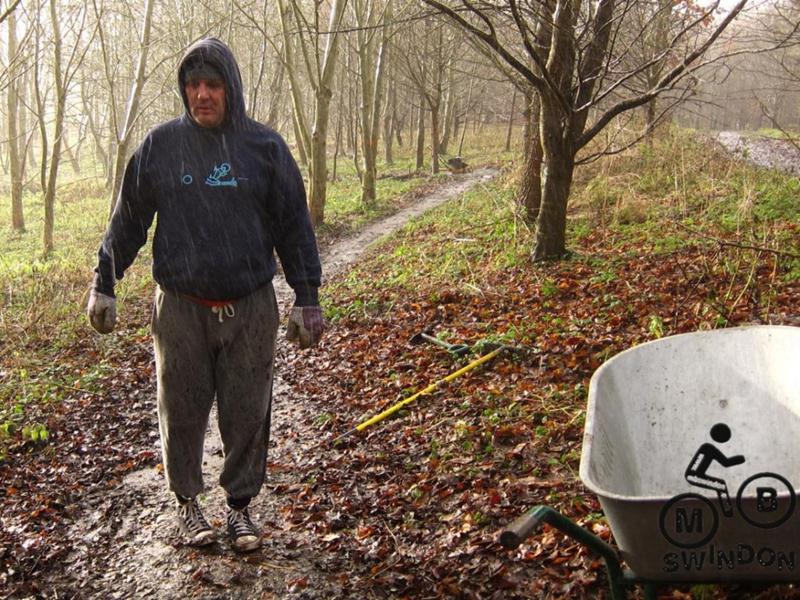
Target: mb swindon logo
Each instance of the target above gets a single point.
(690, 521)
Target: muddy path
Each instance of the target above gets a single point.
(126, 543)
(763, 152)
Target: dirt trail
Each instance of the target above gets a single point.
(127, 546)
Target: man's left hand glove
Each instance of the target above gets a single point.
(305, 325)
(102, 312)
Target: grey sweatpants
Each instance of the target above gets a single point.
(200, 357)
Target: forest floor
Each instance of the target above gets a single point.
(119, 541)
(411, 508)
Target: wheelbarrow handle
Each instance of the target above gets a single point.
(513, 535)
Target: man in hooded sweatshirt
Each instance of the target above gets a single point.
(228, 195)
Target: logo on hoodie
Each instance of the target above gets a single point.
(217, 176)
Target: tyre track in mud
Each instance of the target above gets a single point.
(126, 544)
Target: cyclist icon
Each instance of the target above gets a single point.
(765, 500)
(706, 455)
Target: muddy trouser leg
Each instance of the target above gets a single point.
(185, 371)
(244, 372)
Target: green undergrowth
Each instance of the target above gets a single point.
(776, 133)
(450, 246)
(681, 191)
(685, 190)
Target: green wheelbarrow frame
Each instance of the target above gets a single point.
(618, 578)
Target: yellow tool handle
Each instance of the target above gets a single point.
(430, 388)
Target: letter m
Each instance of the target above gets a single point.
(686, 524)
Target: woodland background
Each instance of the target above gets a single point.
(615, 218)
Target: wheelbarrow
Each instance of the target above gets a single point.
(691, 446)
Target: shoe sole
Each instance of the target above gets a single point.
(246, 547)
(203, 539)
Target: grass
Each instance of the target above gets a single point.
(657, 195)
(683, 179)
(777, 134)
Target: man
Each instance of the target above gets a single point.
(227, 193)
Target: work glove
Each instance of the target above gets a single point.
(305, 325)
(102, 312)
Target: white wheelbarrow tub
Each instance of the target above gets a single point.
(655, 450)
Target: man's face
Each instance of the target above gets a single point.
(206, 101)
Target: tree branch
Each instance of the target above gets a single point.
(491, 41)
(9, 10)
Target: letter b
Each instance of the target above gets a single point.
(767, 499)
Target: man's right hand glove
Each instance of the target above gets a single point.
(102, 312)
(305, 325)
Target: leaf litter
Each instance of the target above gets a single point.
(411, 507)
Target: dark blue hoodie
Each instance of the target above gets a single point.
(226, 199)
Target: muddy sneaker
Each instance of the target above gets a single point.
(243, 534)
(193, 524)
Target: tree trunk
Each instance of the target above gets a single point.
(421, 138)
(319, 159)
(650, 119)
(557, 173)
(14, 135)
(464, 120)
(44, 141)
(99, 150)
(276, 95)
(511, 119)
(530, 193)
(369, 193)
(398, 125)
(132, 112)
(434, 138)
(73, 155)
(337, 144)
(55, 156)
(299, 122)
(389, 121)
(298, 136)
(319, 136)
(552, 224)
(449, 110)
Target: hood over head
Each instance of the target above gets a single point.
(210, 54)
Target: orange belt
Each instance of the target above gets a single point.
(209, 303)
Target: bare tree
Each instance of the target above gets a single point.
(578, 77)
(9, 11)
(63, 74)
(16, 149)
(777, 73)
(320, 66)
(372, 35)
(426, 56)
(125, 129)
